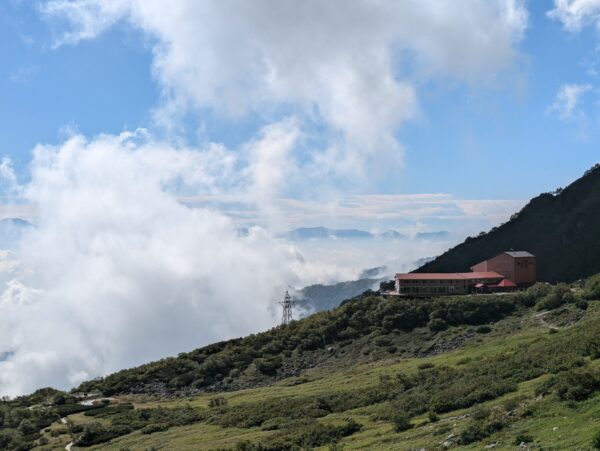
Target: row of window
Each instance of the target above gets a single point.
(428, 290)
(436, 282)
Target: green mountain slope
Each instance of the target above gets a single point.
(458, 372)
(562, 229)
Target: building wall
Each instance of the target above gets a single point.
(503, 264)
(431, 287)
(525, 270)
(520, 270)
(481, 267)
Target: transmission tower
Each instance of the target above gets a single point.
(287, 304)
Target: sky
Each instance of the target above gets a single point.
(160, 147)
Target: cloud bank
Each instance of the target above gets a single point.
(118, 271)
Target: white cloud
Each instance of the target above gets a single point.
(567, 104)
(346, 64)
(575, 14)
(118, 272)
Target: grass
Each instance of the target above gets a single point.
(575, 424)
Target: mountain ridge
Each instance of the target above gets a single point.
(561, 228)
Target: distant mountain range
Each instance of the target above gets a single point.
(312, 233)
(315, 298)
(561, 228)
(441, 235)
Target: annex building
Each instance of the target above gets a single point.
(504, 272)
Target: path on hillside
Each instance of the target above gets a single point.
(543, 322)
(64, 421)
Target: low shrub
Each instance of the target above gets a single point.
(437, 324)
(596, 441)
(522, 438)
(401, 421)
(155, 427)
(432, 417)
(218, 401)
(573, 385)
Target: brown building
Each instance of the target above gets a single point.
(432, 284)
(516, 266)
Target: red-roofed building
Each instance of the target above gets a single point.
(435, 284)
(516, 266)
(504, 272)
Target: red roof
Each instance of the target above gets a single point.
(506, 283)
(450, 276)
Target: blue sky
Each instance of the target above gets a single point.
(495, 139)
(501, 142)
(100, 86)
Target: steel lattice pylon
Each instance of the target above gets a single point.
(287, 304)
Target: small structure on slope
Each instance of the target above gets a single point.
(287, 303)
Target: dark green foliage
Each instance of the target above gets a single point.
(155, 427)
(432, 417)
(268, 351)
(22, 418)
(562, 230)
(596, 441)
(13, 440)
(270, 365)
(437, 324)
(108, 409)
(572, 385)
(556, 296)
(124, 420)
(425, 365)
(401, 421)
(433, 389)
(219, 401)
(303, 435)
(94, 433)
(483, 330)
(482, 427)
(592, 288)
(522, 438)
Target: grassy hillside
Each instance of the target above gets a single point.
(562, 229)
(456, 372)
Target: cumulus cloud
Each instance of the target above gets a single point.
(567, 104)
(117, 271)
(347, 65)
(575, 14)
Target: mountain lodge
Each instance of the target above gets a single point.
(504, 272)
